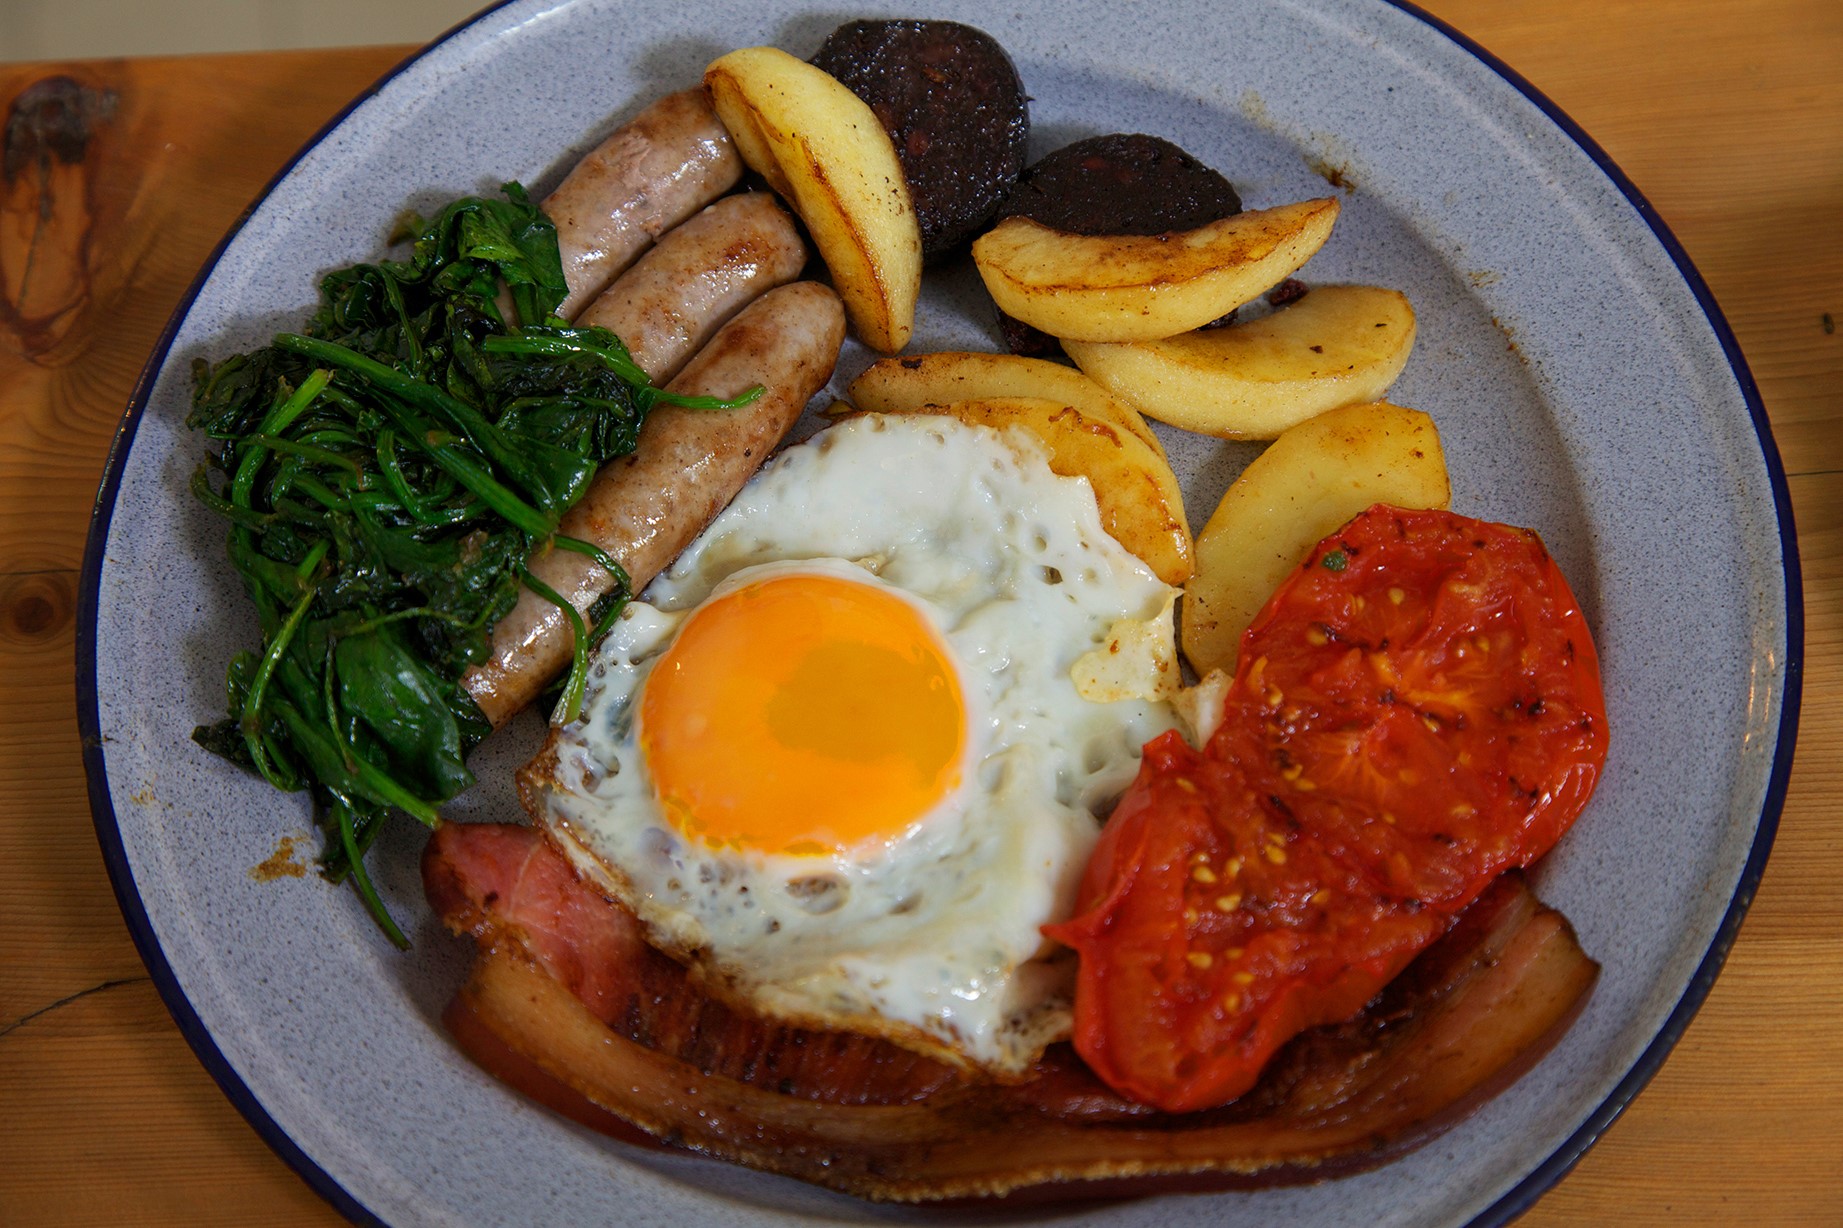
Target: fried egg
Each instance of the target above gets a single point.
(840, 758)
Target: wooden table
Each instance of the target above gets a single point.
(1729, 116)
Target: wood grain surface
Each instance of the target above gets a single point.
(119, 179)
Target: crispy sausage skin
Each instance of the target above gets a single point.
(698, 275)
(646, 508)
(670, 161)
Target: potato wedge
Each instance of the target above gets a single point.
(1339, 345)
(1140, 504)
(897, 385)
(1144, 287)
(1306, 485)
(822, 148)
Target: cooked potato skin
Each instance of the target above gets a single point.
(1145, 287)
(1116, 184)
(822, 149)
(903, 385)
(1333, 346)
(1306, 485)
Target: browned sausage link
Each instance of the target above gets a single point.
(653, 173)
(646, 508)
(698, 276)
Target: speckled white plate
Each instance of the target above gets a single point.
(1578, 369)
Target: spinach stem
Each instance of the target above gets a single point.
(491, 491)
(366, 780)
(464, 470)
(748, 396)
(313, 560)
(393, 477)
(623, 584)
(607, 619)
(242, 517)
(579, 648)
(250, 720)
(615, 357)
(307, 451)
(361, 882)
(276, 420)
(610, 564)
(330, 703)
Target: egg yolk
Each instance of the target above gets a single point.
(803, 714)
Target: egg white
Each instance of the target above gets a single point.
(929, 937)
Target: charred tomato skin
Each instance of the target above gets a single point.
(1416, 710)
(955, 108)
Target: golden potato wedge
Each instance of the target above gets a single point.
(1141, 506)
(1339, 345)
(1144, 287)
(896, 385)
(1306, 485)
(821, 147)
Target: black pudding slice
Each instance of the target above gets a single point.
(1118, 184)
(952, 103)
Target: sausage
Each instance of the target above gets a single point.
(700, 274)
(671, 160)
(647, 507)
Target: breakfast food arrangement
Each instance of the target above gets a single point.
(883, 835)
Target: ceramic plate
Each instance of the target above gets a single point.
(1582, 379)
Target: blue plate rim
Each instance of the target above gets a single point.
(1519, 1199)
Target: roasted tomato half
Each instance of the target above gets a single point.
(1417, 710)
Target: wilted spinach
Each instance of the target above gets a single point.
(386, 472)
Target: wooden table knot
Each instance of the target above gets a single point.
(47, 210)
